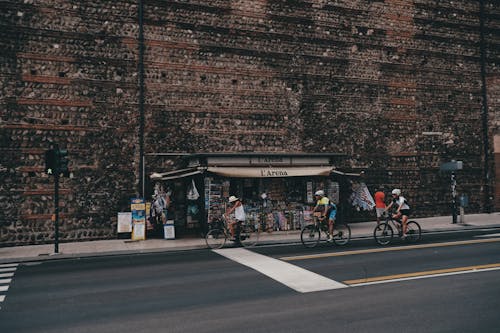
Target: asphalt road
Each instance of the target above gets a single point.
(447, 283)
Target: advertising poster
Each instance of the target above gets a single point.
(138, 208)
(309, 189)
(124, 222)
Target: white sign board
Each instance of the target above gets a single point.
(124, 222)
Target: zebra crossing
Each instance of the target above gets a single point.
(7, 272)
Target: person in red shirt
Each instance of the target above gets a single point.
(379, 203)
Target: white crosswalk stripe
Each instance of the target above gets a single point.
(8, 269)
(294, 277)
(6, 275)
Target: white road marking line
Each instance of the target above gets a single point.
(2, 298)
(8, 265)
(5, 281)
(5, 275)
(4, 288)
(9, 269)
(390, 249)
(489, 235)
(425, 276)
(290, 275)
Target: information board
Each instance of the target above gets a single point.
(138, 209)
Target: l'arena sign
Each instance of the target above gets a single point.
(274, 161)
(273, 173)
(260, 172)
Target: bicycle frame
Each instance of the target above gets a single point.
(220, 232)
(321, 225)
(383, 232)
(310, 235)
(396, 223)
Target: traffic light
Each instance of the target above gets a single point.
(62, 155)
(51, 161)
(56, 162)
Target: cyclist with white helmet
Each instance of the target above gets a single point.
(403, 209)
(235, 208)
(327, 209)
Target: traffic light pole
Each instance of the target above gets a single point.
(454, 197)
(56, 164)
(56, 220)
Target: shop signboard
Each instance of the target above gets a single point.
(266, 161)
(138, 209)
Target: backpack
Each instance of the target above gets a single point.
(331, 207)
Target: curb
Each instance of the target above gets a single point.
(63, 256)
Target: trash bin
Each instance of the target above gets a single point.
(464, 202)
(169, 230)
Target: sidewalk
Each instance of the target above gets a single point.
(121, 246)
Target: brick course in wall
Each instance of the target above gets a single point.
(395, 85)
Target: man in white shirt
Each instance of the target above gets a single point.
(236, 207)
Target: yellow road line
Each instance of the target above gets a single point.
(419, 274)
(388, 249)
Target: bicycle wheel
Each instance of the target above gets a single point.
(413, 232)
(383, 233)
(342, 234)
(249, 235)
(216, 238)
(310, 235)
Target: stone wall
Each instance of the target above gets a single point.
(68, 76)
(395, 85)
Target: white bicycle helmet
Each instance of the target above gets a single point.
(320, 193)
(396, 191)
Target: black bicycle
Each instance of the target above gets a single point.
(384, 232)
(310, 235)
(246, 234)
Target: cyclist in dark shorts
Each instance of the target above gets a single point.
(403, 209)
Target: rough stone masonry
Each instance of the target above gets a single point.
(398, 86)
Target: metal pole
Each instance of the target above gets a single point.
(454, 197)
(56, 203)
(143, 176)
(141, 97)
(484, 114)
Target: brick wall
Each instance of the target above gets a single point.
(395, 85)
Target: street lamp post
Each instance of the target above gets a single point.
(453, 166)
(454, 197)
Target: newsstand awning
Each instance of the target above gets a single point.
(253, 172)
(270, 172)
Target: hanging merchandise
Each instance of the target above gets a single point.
(361, 197)
(309, 189)
(192, 193)
(333, 191)
(193, 210)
